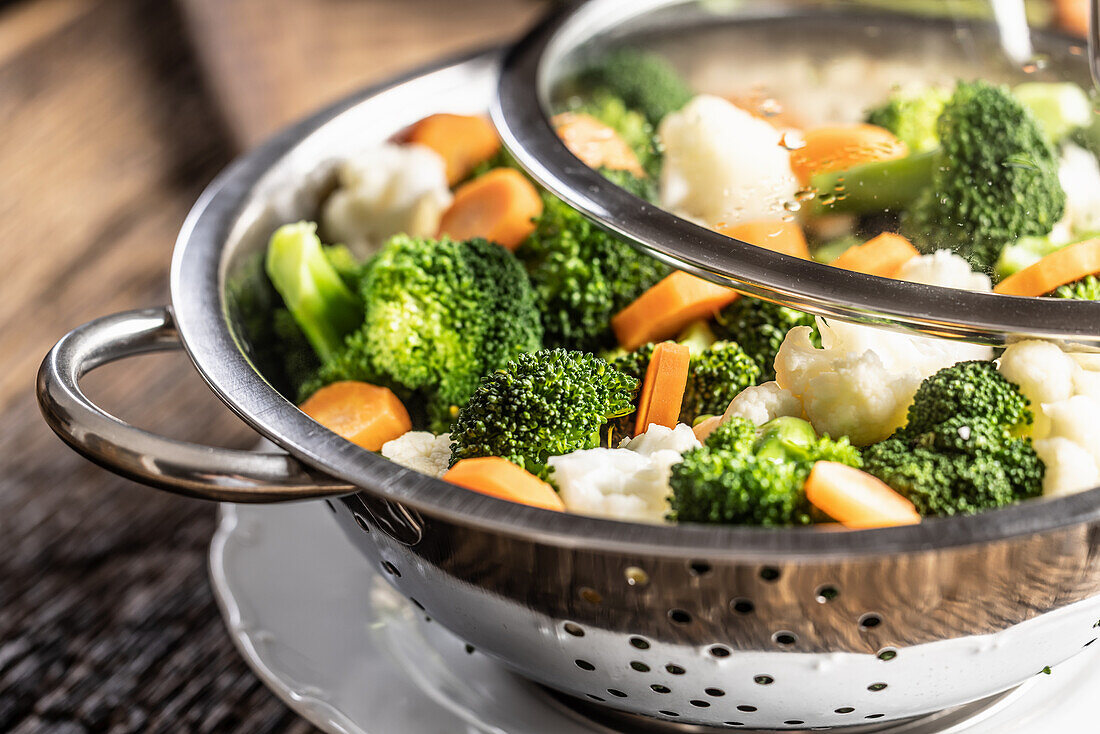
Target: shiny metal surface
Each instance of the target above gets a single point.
(796, 625)
(184, 468)
(521, 113)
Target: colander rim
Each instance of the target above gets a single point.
(199, 308)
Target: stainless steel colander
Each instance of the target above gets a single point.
(685, 625)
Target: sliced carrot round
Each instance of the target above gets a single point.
(362, 413)
(778, 235)
(669, 306)
(463, 141)
(1060, 267)
(500, 206)
(857, 499)
(500, 478)
(838, 148)
(663, 387)
(882, 255)
(596, 144)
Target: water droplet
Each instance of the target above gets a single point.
(770, 107)
(791, 141)
(827, 199)
(792, 206)
(805, 194)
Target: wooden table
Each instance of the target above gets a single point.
(114, 114)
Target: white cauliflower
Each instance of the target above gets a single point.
(383, 191)
(944, 268)
(420, 451)
(862, 380)
(722, 165)
(627, 483)
(763, 403)
(1064, 390)
(1079, 174)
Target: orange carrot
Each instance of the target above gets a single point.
(499, 477)
(1060, 267)
(364, 414)
(882, 255)
(840, 147)
(772, 234)
(663, 387)
(1073, 16)
(462, 141)
(595, 143)
(667, 307)
(500, 206)
(856, 499)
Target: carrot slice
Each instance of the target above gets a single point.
(777, 235)
(838, 148)
(663, 387)
(667, 307)
(596, 144)
(857, 499)
(1073, 16)
(882, 255)
(462, 141)
(500, 478)
(500, 206)
(1060, 267)
(364, 414)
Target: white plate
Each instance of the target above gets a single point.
(327, 635)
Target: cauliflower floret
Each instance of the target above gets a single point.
(762, 403)
(385, 190)
(944, 268)
(722, 165)
(1064, 391)
(627, 483)
(1079, 174)
(420, 451)
(862, 380)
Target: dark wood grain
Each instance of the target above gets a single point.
(113, 121)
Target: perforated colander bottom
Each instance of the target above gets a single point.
(611, 720)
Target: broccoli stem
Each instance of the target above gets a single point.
(315, 294)
(873, 187)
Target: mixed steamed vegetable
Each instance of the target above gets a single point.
(470, 326)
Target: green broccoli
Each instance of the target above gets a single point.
(750, 477)
(643, 188)
(440, 314)
(961, 449)
(644, 81)
(716, 375)
(539, 405)
(313, 290)
(582, 276)
(911, 115)
(996, 178)
(1085, 289)
(993, 180)
(759, 327)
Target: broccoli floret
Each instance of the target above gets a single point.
(911, 115)
(312, 288)
(643, 188)
(960, 451)
(644, 81)
(716, 375)
(1086, 289)
(440, 314)
(539, 405)
(750, 477)
(582, 277)
(298, 359)
(995, 178)
(759, 327)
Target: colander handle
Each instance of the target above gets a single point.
(184, 468)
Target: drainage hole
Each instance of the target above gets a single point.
(584, 665)
(699, 704)
(594, 697)
(844, 710)
(590, 595)
(764, 680)
(720, 652)
(639, 666)
(826, 593)
(794, 722)
(743, 606)
(874, 716)
(769, 573)
(887, 654)
(869, 621)
(877, 687)
(616, 693)
(574, 629)
(699, 568)
(679, 616)
(784, 638)
(716, 692)
(360, 521)
(658, 688)
(668, 713)
(675, 669)
(391, 569)
(746, 708)
(639, 643)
